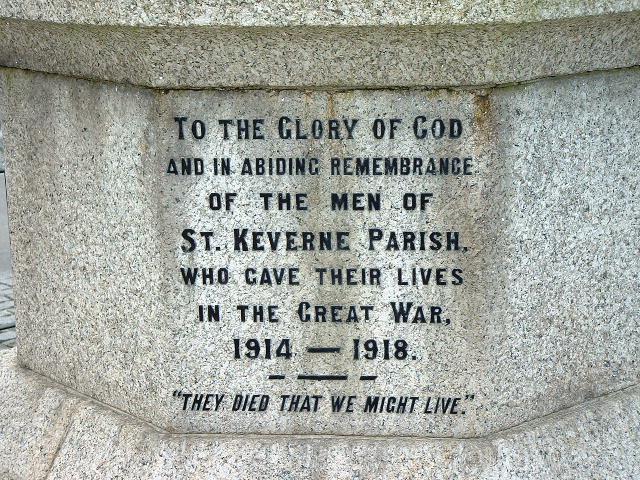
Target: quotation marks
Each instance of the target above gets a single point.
(468, 397)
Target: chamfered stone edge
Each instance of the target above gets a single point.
(53, 433)
(323, 57)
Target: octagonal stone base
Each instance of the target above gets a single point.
(547, 221)
(49, 432)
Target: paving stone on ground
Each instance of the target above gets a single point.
(7, 335)
(7, 313)
(7, 307)
(7, 322)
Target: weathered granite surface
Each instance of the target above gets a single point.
(290, 45)
(299, 13)
(543, 346)
(548, 318)
(47, 432)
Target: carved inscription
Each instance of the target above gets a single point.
(325, 274)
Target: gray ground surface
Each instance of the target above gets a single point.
(7, 311)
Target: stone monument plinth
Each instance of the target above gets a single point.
(363, 241)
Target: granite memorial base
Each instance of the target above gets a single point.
(322, 245)
(55, 433)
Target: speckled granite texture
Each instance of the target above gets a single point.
(50, 433)
(548, 317)
(222, 51)
(544, 343)
(279, 13)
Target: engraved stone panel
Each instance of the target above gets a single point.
(334, 270)
(375, 262)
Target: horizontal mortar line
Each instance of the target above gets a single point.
(323, 349)
(478, 88)
(303, 376)
(276, 377)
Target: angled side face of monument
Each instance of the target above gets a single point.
(443, 279)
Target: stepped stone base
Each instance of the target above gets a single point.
(47, 431)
